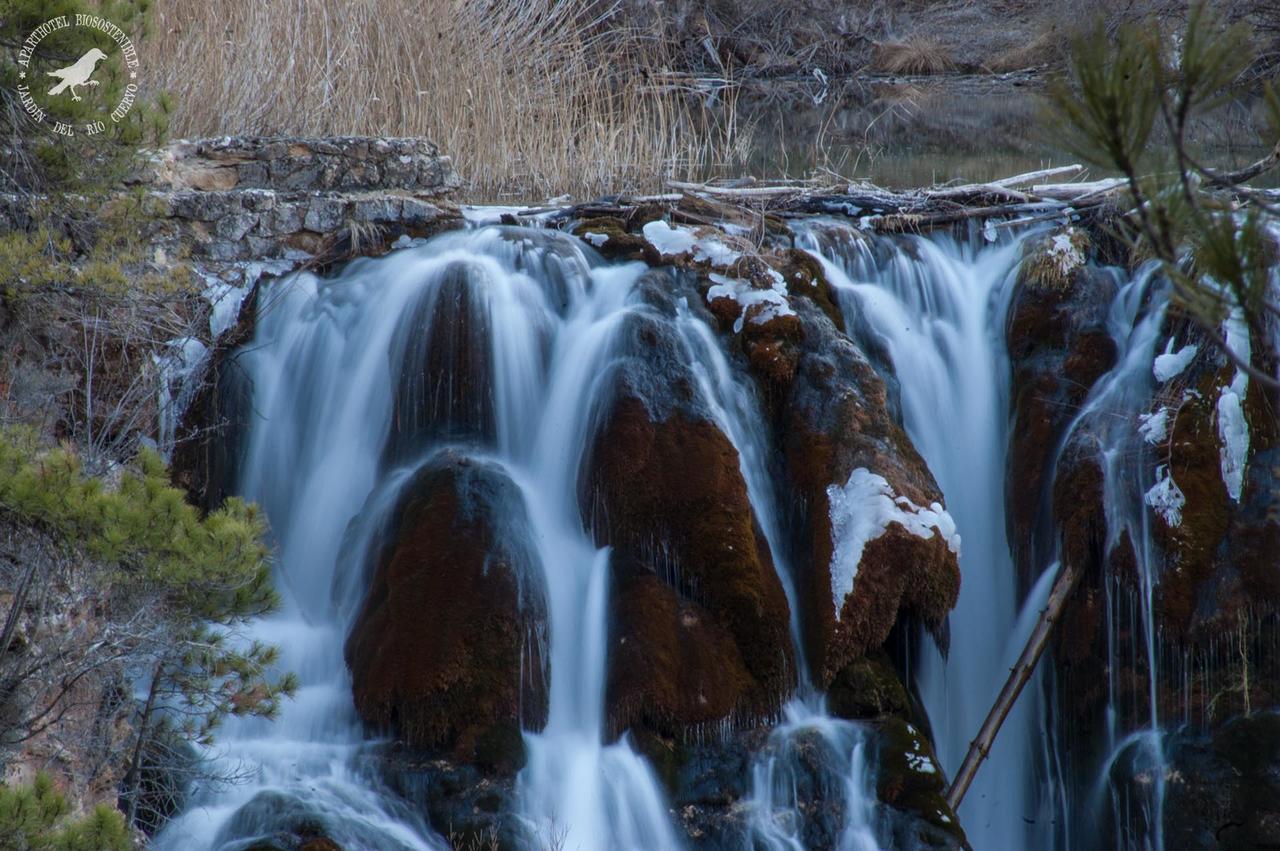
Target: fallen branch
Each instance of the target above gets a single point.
(1249, 172)
(980, 747)
(1033, 176)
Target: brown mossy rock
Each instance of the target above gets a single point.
(1191, 547)
(609, 236)
(446, 381)
(1222, 789)
(671, 664)
(771, 344)
(1080, 641)
(867, 688)
(836, 418)
(1220, 560)
(446, 647)
(928, 584)
(909, 780)
(1059, 345)
(661, 485)
(670, 500)
(805, 277)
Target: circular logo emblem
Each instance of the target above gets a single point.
(77, 75)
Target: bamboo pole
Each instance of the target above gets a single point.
(1021, 672)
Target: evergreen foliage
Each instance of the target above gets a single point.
(172, 588)
(34, 817)
(206, 574)
(1143, 82)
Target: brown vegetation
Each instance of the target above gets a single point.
(915, 56)
(531, 99)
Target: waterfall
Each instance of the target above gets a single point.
(937, 307)
(500, 344)
(1107, 417)
(328, 360)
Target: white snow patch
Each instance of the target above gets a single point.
(1172, 363)
(489, 215)
(1154, 427)
(668, 240)
(226, 297)
(861, 511)
(1065, 254)
(920, 763)
(226, 300)
(1166, 497)
(673, 241)
(1233, 428)
(773, 299)
(596, 239)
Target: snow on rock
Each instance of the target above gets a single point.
(1172, 363)
(1066, 253)
(1233, 429)
(1154, 427)
(861, 511)
(596, 239)
(736, 289)
(668, 240)
(1166, 497)
(489, 214)
(671, 242)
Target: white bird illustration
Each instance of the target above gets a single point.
(77, 74)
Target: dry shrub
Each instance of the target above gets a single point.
(531, 98)
(1048, 48)
(916, 55)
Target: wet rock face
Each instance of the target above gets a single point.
(1223, 790)
(445, 392)
(447, 646)
(701, 621)
(1059, 346)
(710, 787)
(1220, 559)
(836, 419)
(910, 782)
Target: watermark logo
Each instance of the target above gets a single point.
(50, 88)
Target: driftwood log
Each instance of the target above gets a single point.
(1022, 198)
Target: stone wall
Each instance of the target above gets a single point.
(300, 200)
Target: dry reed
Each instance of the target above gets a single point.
(915, 55)
(531, 99)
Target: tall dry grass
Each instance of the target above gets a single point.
(532, 98)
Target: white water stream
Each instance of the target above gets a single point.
(938, 307)
(325, 366)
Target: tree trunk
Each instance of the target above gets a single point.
(132, 780)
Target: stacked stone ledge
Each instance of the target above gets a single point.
(236, 199)
(255, 198)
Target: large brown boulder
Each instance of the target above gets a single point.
(836, 419)
(1059, 345)
(701, 626)
(446, 648)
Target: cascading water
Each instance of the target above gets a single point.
(1107, 416)
(778, 821)
(937, 308)
(324, 373)
(346, 406)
